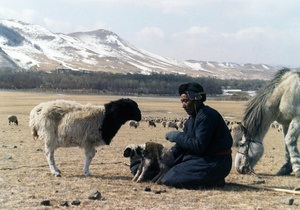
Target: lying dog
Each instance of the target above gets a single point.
(155, 159)
(134, 152)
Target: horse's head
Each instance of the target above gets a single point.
(248, 150)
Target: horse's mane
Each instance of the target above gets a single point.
(254, 111)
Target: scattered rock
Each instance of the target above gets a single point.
(288, 201)
(94, 195)
(45, 203)
(39, 150)
(7, 157)
(297, 188)
(258, 180)
(64, 203)
(15, 147)
(76, 202)
(148, 189)
(160, 191)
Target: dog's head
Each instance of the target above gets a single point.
(133, 150)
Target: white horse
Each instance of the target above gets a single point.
(280, 101)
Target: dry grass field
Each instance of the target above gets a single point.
(25, 178)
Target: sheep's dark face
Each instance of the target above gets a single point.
(132, 111)
(117, 113)
(124, 109)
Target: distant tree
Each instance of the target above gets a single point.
(122, 84)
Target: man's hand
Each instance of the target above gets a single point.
(171, 136)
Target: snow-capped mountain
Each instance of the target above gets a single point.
(33, 47)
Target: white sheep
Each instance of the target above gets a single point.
(12, 119)
(63, 123)
(151, 123)
(171, 124)
(179, 124)
(133, 123)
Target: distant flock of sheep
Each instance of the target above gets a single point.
(164, 121)
(177, 123)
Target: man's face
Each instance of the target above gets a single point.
(187, 104)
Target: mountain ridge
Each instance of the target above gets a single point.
(33, 47)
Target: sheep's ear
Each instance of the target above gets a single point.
(127, 152)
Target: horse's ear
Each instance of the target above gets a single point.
(238, 134)
(244, 134)
(244, 129)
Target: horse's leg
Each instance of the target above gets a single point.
(49, 150)
(286, 169)
(90, 152)
(291, 143)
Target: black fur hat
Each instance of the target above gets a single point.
(193, 90)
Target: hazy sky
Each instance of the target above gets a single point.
(241, 31)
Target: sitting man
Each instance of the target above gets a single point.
(203, 150)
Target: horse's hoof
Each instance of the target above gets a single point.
(57, 175)
(286, 169)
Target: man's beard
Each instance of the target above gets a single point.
(189, 111)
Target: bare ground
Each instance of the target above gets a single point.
(25, 178)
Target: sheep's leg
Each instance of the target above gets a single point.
(50, 158)
(90, 152)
